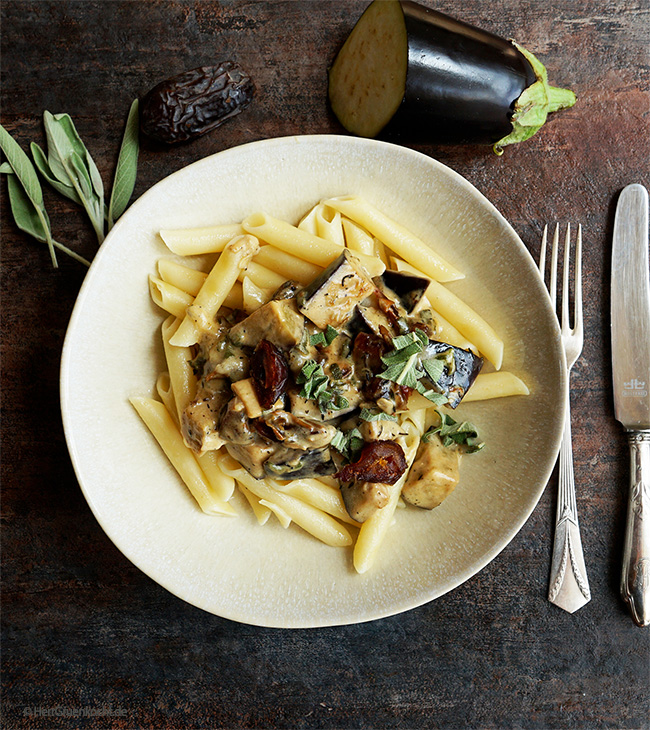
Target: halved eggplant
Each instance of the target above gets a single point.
(414, 73)
(460, 368)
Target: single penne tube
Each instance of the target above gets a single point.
(496, 385)
(283, 517)
(328, 225)
(468, 322)
(262, 277)
(235, 256)
(308, 222)
(166, 394)
(374, 529)
(396, 237)
(182, 277)
(195, 241)
(312, 520)
(221, 484)
(181, 375)
(300, 243)
(381, 251)
(160, 423)
(356, 239)
(319, 495)
(168, 297)
(235, 297)
(287, 265)
(261, 512)
(253, 296)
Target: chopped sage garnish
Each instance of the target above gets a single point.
(348, 443)
(451, 432)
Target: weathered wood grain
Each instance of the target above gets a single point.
(83, 628)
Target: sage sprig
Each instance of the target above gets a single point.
(26, 197)
(127, 167)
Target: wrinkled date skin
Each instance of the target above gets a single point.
(379, 461)
(269, 371)
(195, 102)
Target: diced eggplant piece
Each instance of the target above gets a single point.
(253, 456)
(295, 432)
(433, 476)
(235, 426)
(415, 73)
(403, 287)
(460, 369)
(200, 420)
(331, 298)
(376, 321)
(363, 499)
(380, 430)
(275, 321)
(288, 290)
(295, 464)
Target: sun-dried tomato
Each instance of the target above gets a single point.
(269, 372)
(379, 461)
(366, 353)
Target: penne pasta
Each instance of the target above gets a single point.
(308, 222)
(283, 517)
(221, 484)
(164, 390)
(319, 495)
(253, 296)
(182, 378)
(496, 385)
(356, 238)
(261, 512)
(261, 276)
(168, 297)
(182, 277)
(287, 265)
(328, 225)
(160, 423)
(300, 243)
(396, 237)
(235, 257)
(194, 241)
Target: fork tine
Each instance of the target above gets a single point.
(577, 289)
(565, 279)
(553, 283)
(542, 255)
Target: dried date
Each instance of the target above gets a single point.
(269, 371)
(195, 102)
(379, 461)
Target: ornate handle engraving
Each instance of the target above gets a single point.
(635, 578)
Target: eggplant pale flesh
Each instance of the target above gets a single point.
(412, 73)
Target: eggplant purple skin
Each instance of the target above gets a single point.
(461, 82)
(467, 366)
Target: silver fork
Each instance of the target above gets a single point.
(568, 584)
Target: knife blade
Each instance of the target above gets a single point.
(630, 330)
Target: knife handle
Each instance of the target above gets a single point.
(635, 579)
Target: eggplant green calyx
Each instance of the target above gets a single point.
(535, 104)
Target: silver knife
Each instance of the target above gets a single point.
(631, 375)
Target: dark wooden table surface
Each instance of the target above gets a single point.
(90, 641)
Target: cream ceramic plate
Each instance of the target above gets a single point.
(267, 575)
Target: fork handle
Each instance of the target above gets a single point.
(635, 578)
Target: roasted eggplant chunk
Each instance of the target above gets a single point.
(331, 298)
(296, 464)
(407, 289)
(460, 368)
(195, 102)
(433, 476)
(415, 73)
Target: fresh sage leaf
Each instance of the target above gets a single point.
(22, 166)
(83, 176)
(25, 212)
(6, 169)
(127, 166)
(42, 165)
